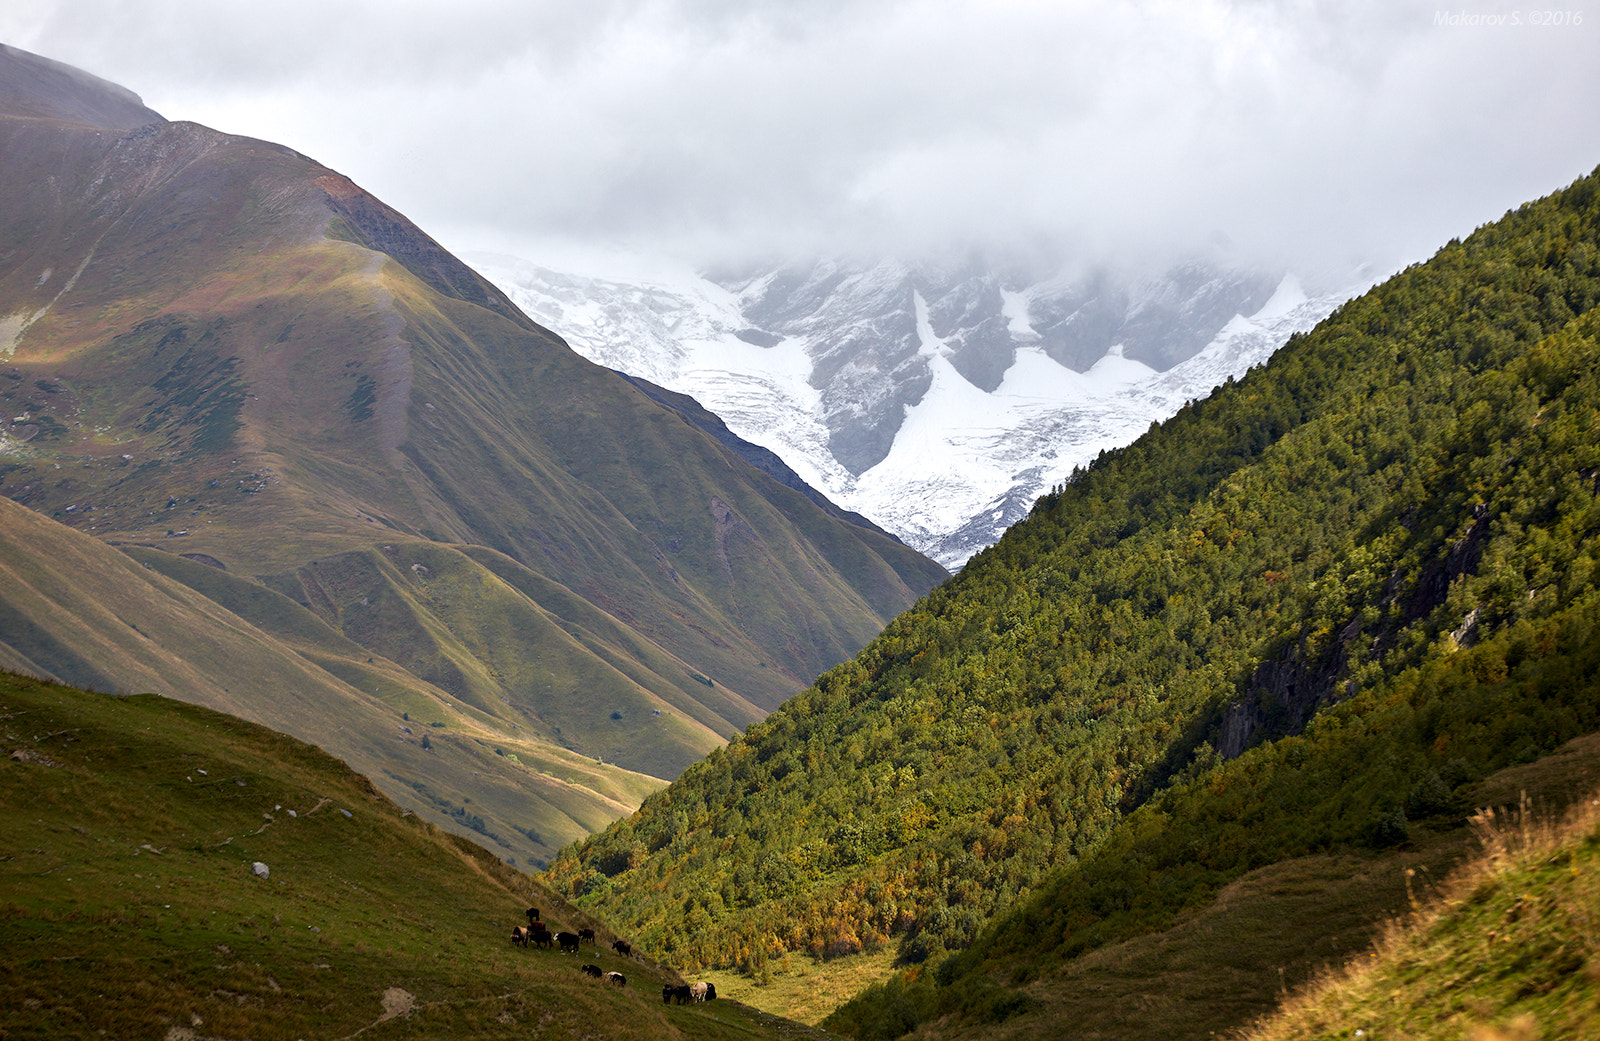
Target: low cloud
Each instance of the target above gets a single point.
(1297, 133)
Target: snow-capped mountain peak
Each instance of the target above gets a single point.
(940, 403)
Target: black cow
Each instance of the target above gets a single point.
(568, 942)
(542, 938)
(533, 917)
(586, 934)
(622, 947)
(616, 979)
(592, 970)
(680, 994)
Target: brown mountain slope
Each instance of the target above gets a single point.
(212, 346)
(34, 86)
(116, 622)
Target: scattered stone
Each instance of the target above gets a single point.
(260, 870)
(397, 1002)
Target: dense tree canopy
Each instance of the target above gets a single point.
(1314, 603)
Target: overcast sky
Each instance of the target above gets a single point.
(1310, 134)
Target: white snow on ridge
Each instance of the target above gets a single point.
(1014, 307)
(679, 331)
(961, 453)
(1286, 299)
(932, 345)
(964, 463)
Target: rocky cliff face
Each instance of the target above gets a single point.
(869, 332)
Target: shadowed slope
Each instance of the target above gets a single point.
(74, 608)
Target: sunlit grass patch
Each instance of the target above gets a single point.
(803, 988)
(1506, 950)
(128, 903)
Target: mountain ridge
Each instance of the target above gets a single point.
(208, 349)
(70, 93)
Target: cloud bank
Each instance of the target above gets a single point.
(1314, 135)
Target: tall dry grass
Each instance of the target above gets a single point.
(1503, 950)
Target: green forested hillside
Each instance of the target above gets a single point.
(1390, 528)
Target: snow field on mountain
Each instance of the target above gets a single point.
(964, 463)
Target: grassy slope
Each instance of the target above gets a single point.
(1504, 951)
(166, 637)
(767, 581)
(128, 827)
(223, 350)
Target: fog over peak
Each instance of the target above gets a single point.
(1300, 134)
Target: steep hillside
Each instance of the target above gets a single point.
(36, 87)
(1505, 950)
(173, 872)
(1221, 963)
(1334, 594)
(144, 620)
(214, 348)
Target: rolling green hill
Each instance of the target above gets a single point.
(130, 833)
(274, 391)
(1303, 615)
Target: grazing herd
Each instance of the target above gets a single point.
(535, 934)
(684, 993)
(616, 979)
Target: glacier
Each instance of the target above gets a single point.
(939, 403)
